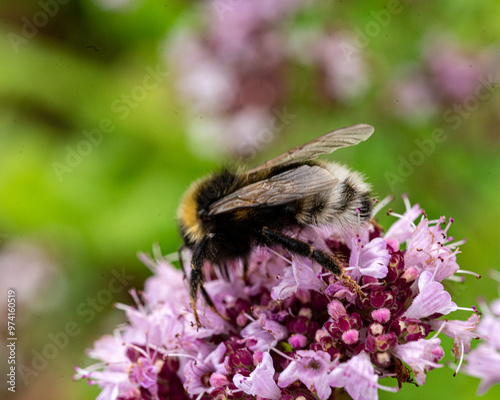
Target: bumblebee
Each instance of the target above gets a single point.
(225, 214)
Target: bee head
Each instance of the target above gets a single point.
(189, 214)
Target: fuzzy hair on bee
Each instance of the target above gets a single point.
(224, 215)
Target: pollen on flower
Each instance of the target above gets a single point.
(291, 329)
(313, 364)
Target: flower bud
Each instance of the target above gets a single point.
(336, 309)
(298, 341)
(381, 315)
(351, 336)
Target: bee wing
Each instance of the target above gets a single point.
(283, 188)
(329, 142)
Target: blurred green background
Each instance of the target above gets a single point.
(110, 108)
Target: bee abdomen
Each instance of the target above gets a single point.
(354, 196)
(343, 205)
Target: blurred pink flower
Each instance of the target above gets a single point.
(453, 70)
(29, 269)
(345, 71)
(231, 71)
(483, 362)
(449, 74)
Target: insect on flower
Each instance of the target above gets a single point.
(223, 215)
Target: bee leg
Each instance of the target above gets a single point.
(196, 282)
(226, 272)
(329, 261)
(333, 264)
(296, 246)
(211, 304)
(196, 278)
(192, 288)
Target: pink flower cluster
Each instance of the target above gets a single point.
(292, 330)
